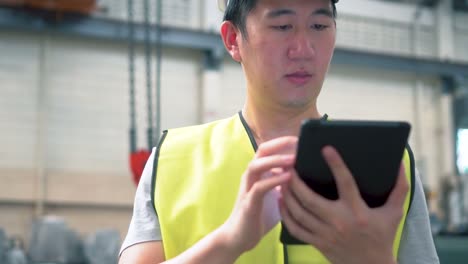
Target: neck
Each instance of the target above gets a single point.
(267, 124)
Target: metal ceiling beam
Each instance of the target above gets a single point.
(102, 28)
(209, 43)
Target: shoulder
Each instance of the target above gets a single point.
(417, 244)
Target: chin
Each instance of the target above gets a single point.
(300, 103)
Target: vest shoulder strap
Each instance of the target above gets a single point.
(155, 166)
(413, 174)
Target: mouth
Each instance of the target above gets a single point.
(299, 77)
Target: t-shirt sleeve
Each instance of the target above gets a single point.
(417, 243)
(144, 226)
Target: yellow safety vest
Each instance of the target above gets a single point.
(196, 178)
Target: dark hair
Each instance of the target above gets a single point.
(237, 11)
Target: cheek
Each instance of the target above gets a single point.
(261, 49)
(271, 57)
(325, 56)
(261, 61)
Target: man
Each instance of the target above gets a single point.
(212, 196)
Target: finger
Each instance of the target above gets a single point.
(284, 145)
(260, 166)
(278, 170)
(308, 198)
(294, 228)
(398, 195)
(301, 215)
(345, 183)
(260, 188)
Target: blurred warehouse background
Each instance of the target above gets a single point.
(87, 85)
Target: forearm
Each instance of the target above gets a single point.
(214, 248)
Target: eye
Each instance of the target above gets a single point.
(319, 27)
(283, 27)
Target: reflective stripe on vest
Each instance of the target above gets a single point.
(195, 184)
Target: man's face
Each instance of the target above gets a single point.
(287, 51)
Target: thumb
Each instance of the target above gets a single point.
(398, 195)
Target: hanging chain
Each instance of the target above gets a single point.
(131, 69)
(158, 66)
(148, 54)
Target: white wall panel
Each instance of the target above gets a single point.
(354, 92)
(89, 104)
(19, 70)
(180, 88)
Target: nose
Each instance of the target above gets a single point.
(301, 47)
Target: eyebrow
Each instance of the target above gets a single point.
(324, 12)
(284, 12)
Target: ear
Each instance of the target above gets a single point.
(231, 35)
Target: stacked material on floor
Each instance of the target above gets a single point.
(52, 241)
(103, 247)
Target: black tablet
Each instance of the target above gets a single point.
(372, 150)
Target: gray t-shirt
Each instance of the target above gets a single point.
(416, 247)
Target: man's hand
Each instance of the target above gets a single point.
(250, 219)
(345, 230)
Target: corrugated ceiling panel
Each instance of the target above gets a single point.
(384, 36)
(179, 13)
